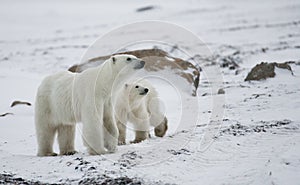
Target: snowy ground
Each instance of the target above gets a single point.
(259, 139)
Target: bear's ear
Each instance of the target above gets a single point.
(114, 60)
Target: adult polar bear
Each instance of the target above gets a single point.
(66, 98)
(137, 102)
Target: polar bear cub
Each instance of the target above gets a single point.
(138, 103)
(66, 98)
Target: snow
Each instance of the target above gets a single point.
(41, 38)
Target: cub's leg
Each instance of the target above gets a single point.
(141, 126)
(66, 138)
(140, 136)
(157, 118)
(161, 129)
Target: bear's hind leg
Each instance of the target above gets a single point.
(66, 137)
(45, 138)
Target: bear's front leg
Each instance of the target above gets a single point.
(92, 133)
(111, 132)
(122, 133)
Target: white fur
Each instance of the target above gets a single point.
(142, 110)
(66, 98)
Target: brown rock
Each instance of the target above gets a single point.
(266, 70)
(20, 103)
(156, 60)
(221, 91)
(5, 114)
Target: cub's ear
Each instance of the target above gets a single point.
(114, 60)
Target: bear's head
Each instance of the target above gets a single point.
(125, 63)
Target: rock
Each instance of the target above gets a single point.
(5, 114)
(221, 91)
(229, 62)
(145, 8)
(261, 71)
(179, 152)
(284, 65)
(20, 103)
(204, 94)
(156, 60)
(266, 70)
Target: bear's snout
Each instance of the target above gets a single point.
(144, 91)
(139, 65)
(142, 63)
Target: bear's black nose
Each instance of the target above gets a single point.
(146, 90)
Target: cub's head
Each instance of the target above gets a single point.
(136, 90)
(125, 63)
(135, 93)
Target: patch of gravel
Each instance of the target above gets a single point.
(128, 160)
(263, 126)
(10, 179)
(179, 152)
(103, 180)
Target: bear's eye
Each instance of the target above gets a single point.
(137, 86)
(128, 59)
